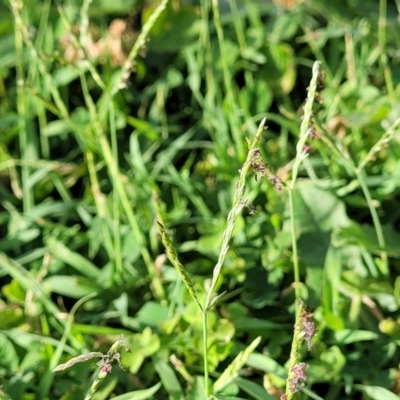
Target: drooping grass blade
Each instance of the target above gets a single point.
(78, 359)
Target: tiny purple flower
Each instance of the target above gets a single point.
(300, 377)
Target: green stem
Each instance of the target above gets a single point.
(295, 349)
(233, 116)
(116, 209)
(295, 258)
(301, 155)
(237, 206)
(382, 23)
(24, 138)
(205, 350)
(376, 221)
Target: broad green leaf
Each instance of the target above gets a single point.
(267, 365)
(331, 282)
(8, 354)
(347, 336)
(280, 69)
(334, 358)
(71, 286)
(168, 378)
(221, 397)
(256, 391)
(317, 210)
(140, 394)
(197, 391)
(152, 314)
(75, 260)
(251, 324)
(377, 393)
(174, 29)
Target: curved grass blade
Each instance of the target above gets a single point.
(232, 371)
(78, 359)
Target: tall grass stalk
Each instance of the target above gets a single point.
(382, 25)
(232, 114)
(118, 83)
(237, 207)
(25, 140)
(301, 155)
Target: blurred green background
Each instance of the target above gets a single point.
(99, 137)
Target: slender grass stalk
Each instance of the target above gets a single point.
(205, 49)
(232, 114)
(100, 201)
(84, 24)
(382, 24)
(304, 329)
(297, 369)
(116, 209)
(382, 143)
(78, 44)
(25, 139)
(33, 73)
(384, 268)
(301, 155)
(118, 83)
(237, 206)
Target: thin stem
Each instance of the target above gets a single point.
(301, 155)
(295, 348)
(295, 258)
(375, 219)
(118, 84)
(24, 138)
(237, 206)
(382, 23)
(116, 211)
(205, 350)
(205, 49)
(232, 114)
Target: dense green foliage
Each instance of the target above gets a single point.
(117, 113)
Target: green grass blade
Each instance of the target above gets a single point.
(231, 372)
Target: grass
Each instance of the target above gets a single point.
(184, 175)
